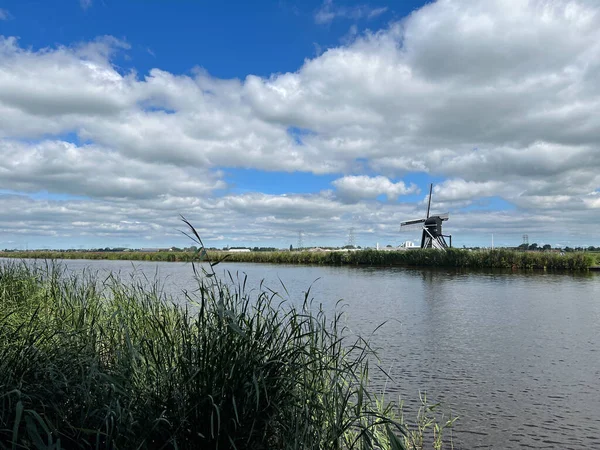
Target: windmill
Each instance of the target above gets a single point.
(432, 228)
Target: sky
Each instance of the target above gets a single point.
(258, 121)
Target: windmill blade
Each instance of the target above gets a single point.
(412, 228)
(429, 200)
(412, 222)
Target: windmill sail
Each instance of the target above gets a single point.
(412, 222)
(429, 201)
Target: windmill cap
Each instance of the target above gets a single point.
(433, 220)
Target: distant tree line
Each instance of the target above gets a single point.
(591, 248)
(545, 247)
(534, 246)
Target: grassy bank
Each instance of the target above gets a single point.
(500, 258)
(90, 363)
(507, 259)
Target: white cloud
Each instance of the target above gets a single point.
(593, 200)
(458, 189)
(329, 11)
(93, 171)
(375, 12)
(4, 14)
(355, 188)
(85, 4)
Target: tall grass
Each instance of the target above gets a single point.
(506, 259)
(499, 258)
(87, 363)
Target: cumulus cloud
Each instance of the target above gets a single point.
(458, 189)
(92, 171)
(464, 91)
(355, 188)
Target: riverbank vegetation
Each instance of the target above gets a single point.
(88, 362)
(461, 258)
(506, 259)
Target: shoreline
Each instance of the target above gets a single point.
(452, 258)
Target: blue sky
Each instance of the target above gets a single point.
(229, 38)
(258, 119)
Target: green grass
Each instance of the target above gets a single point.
(90, 363)
(595, 256)
(499, 258)
(507, 259)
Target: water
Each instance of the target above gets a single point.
(515, 356)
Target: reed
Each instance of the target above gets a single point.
(501, 258)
